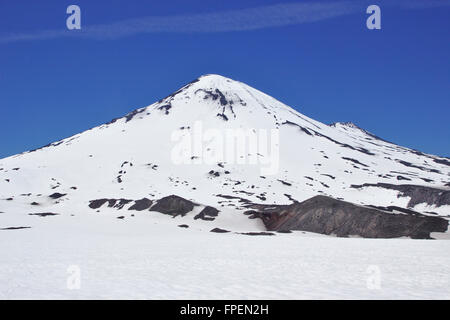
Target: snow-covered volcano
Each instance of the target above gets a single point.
(125, 210)
(179, 146)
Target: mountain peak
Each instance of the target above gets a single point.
(214, 81)
(206, 82)
(213, 76)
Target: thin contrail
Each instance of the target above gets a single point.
(225, 21)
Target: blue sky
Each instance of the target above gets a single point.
(394, 82)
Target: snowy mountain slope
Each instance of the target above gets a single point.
(174, 146)
(101, 202)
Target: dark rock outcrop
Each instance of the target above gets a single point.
(355, 161)
(285, 183)
(141, 205)
(121, 203)
(418, 194)
(326, 215)
(132, 114)
(173, 205)
(214, 173)
(112, 203)
(208, 214)
(218, 230)
(43, 214)
(442, 161)
(57, 195)
(258, 233)
(284, 231)
(95, 204)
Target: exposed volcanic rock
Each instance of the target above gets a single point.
(218, 230)
(258, 233)
(208, 214)
(284, 231)
(285, 183)
(355, 161)
(409, 164)
(122, 203)
(214, 173)
(214, 96)
(418, 194)
(57, 195)
(173, 205)
(15, 228)
(442, 161)
(140, 205)
(44, 214)
(395, 208)
(242, 200)
(95, 204)
(112, 203)
(165, 107)
(132, 114)
(326, 215)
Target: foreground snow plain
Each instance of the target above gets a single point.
(149, 257)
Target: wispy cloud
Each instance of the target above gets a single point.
(225, 21)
